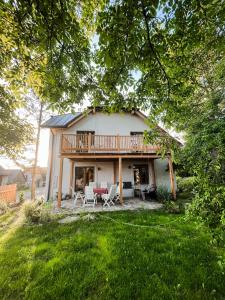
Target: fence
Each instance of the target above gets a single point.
(8, 193)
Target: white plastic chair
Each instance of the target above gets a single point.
(93, 184)
(76, 196)
(90, 198)
(108, 198)
(103, 185)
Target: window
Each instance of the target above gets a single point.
(136, 133)
(141, 174)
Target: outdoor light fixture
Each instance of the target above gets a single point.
(99, 169)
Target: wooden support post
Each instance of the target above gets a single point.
(152, 171)
(172, 184)
(60, 182)
(71, 176)
(120, 180)
(114, 172)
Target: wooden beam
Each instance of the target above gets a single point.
(172, 184)
(95, 156)
(114, 172)
(60, 183)
(120, 180)
(71, 176)
(152, 171)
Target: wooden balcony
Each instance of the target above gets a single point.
(91, 143)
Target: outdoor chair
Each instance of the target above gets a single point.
(109, 198)
(103, 185)
(93, 184)
(76, 196)
(90, 198)
(150, 193)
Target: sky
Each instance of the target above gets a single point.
(42, 156)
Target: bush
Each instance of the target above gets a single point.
(3, 208)
(209, 205)
(36, 212)
(21, 197)
(172, 207)
(186, 184)
(163, 194)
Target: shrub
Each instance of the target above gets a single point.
(186, 184)
(3, 208)
(21, 197)
(172, 207)
(37, 212)
(163, 194)
(209, 205)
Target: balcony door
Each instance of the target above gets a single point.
(83, 176)
(136, 141)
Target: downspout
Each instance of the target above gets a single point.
(51, 163)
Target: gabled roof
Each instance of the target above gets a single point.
(61, 121)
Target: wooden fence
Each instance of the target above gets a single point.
(8, 193)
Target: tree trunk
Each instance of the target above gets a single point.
(33, 185)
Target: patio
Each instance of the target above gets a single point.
(129, 204)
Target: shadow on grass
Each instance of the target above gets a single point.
(101, 259)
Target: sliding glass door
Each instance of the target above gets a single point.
(83, 175)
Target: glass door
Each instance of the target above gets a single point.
(83, 175)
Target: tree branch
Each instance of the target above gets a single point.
(153, 49)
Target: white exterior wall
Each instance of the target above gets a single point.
(113, 124)
(162, 173)
(104, 124)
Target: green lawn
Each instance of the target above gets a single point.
(165, 258)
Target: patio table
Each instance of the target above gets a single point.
(100, 191)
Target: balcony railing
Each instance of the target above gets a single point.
(79, 143)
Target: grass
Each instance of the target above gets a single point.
(164, 258)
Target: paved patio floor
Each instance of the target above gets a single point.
(129, 204)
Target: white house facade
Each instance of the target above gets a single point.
(100, 147)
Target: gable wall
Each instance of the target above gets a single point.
(109, 124)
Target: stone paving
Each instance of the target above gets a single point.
(129, 204)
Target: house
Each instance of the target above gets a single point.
(100, 147)
(11, 176)
(40, 176)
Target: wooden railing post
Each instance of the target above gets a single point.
(89, 142)
(118, 142)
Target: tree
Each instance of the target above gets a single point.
(15, 132)
(168, 56)
(44, 47)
